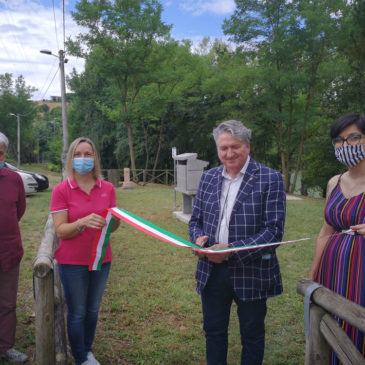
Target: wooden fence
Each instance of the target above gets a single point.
(144, 176)
(324, 332)
(155, 176)
(50, 333)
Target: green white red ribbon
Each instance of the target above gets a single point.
(102, 238)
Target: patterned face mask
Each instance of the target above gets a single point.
(350, 155)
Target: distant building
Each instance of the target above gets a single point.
(56, 99)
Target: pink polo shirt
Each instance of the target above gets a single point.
(67, 196)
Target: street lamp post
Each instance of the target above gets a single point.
(61, 57)
(18, 137)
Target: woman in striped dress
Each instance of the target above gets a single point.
(339, 258)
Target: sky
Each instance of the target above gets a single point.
(28, 26)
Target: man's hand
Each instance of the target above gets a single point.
(218, 258)
(200, 241)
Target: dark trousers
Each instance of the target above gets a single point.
(8, 293)
(217, 300)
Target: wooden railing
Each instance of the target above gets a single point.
(143, 176)
(50, 334)
(155, 176)
(324, 332)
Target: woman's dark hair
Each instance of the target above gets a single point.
(346, 120)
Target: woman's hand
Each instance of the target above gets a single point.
(360, 229)
(92, 220)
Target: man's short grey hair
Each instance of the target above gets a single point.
(236, 128)
(4, 140)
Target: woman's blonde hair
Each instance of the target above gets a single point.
(70, 156)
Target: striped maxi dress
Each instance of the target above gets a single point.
(342, 265)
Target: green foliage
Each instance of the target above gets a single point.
(320, 162)
(293, 64)
(120, 45)
(15, 100)
(54, 168)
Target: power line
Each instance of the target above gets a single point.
(46, 80)
(50, 83)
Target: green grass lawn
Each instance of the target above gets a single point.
(151, 313)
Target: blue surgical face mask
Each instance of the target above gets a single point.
(2, 164)
(83, 165)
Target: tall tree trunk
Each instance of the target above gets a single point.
(282, 155)
(145, 132)
(310, 96)
(159, 143)
(284, 166)
(288, 147)
(300, 154)
(131, 150)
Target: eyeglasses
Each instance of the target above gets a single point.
(352, 140)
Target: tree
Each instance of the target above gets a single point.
(15, 99)
(292, 43)
(119, 45)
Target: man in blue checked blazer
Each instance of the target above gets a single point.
(239, 203)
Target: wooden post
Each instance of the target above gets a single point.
(44, 319)
(317, 349)
(59, 319)
(49, 302)
(113, 177)
(127, 184)
(44, 297)
(166, 177)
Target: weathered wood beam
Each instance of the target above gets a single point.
(335, 304)
(43, 263)
(44, 319)
(340, 342)
(317, 349)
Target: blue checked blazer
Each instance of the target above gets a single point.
(258, 216)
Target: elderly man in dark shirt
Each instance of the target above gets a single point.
(12, 208)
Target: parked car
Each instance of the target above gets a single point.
(30, 185)
(41, 180)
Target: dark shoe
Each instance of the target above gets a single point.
(14, 356)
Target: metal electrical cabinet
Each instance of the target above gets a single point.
(188, 173)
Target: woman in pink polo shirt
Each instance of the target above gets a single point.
(76, 205)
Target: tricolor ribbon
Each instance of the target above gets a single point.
(102, 238)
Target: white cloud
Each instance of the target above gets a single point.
(199, 7)
(27, 27)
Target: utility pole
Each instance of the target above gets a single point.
(62, 61)
(61, 56)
